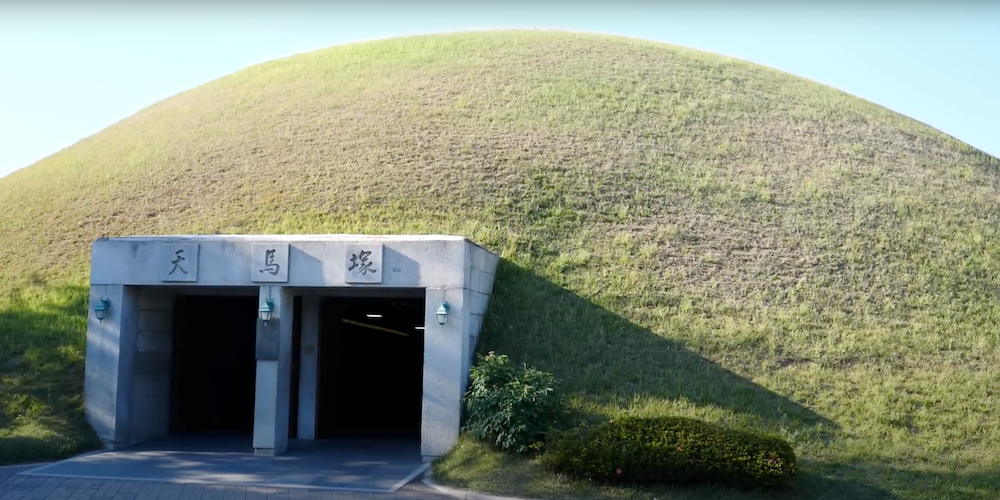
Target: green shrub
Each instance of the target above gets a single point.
(511, 406)
(671, 450)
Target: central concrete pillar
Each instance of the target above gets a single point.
(274, 373)
(308, 364)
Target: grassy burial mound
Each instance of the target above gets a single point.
(683, 234)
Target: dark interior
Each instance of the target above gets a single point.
(214, 369)
(370, 368)
(293, 393)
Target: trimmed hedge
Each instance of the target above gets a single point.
(671, 450)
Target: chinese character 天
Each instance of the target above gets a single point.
(177, 262)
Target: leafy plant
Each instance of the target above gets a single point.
(511, 406)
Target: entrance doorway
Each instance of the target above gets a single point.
(214, 369)
(370, 367)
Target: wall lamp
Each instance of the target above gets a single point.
(266, 309)
(442, 313)
(101, 309)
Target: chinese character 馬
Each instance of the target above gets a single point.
(269, 264)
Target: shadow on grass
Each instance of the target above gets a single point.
(24, 450)
(42, 341)
(612, 361)
(477, 466)
(877, 481)
(807, 486)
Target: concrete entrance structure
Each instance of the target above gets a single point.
(138, 279)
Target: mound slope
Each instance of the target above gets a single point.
(683, 233)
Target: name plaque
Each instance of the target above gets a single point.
(363, 263)
(179, 262)
(270, 263)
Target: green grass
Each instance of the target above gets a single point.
(42, 342)
(682, 234)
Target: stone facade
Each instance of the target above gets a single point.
(128, 352)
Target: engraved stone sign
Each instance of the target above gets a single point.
(363, 263)
(270, 263)
(179, 262)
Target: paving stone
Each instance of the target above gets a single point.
(16, 486)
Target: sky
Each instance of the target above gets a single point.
(70, 69)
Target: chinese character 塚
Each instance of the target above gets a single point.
(177, 262)
(269, 264)
(360, 260)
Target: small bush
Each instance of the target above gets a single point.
(511, 406)
(671, 450)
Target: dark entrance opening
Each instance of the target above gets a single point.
(371, 357)
(214, 369)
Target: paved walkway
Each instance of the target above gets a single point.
(365, 465)
(14, 486)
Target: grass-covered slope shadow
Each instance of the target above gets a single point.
(475, 466)
(877, 481)
(42, 346)
(478, 467)
(612, 363)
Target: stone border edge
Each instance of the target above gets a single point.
(32, 465)
(462, 494)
